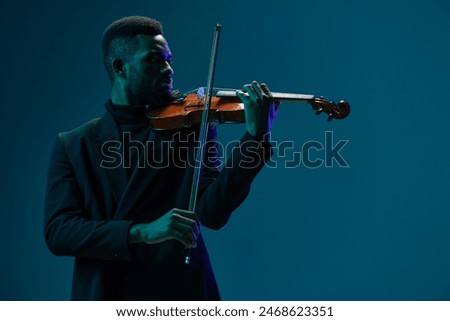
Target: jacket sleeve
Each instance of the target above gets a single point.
(221, 192)
(68, 229)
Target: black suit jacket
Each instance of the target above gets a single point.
(91, 204)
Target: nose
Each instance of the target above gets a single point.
(166, 69)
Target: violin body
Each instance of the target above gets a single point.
(188, 112)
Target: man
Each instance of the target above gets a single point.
(117, 191)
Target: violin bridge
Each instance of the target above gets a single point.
(201, 94)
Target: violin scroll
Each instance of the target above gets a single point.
(333, 110)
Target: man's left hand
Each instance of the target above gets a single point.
(259, 109)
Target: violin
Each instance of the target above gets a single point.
(225, 107)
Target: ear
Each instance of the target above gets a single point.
(119, 68)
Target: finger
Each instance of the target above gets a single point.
(184, 234)
(242, 96)
(195, 228)
(198, 225)
(184, 239)
(188, 230)
(183, 220)
(193, 237)
(277, 104)
(194, 225)
(257, 89)
(251, 92)
(192, 222)
(266, 89)
(184, 213)
(190, 219)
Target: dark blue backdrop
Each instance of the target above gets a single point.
(378, 230)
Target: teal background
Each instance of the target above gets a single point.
(378, 230)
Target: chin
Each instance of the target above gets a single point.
(160, 100)
(167, 89)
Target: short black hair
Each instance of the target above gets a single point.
(118, 42)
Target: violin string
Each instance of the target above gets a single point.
(214, 89)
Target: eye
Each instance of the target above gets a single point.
(157, 58)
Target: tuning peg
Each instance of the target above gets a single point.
(330, 117)
(318, 111)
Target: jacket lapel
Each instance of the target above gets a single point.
(154, 157)
(109, 151)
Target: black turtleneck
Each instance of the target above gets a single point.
(133, 129)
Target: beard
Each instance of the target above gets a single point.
(149, 91)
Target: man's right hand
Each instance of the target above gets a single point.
(176, 224)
